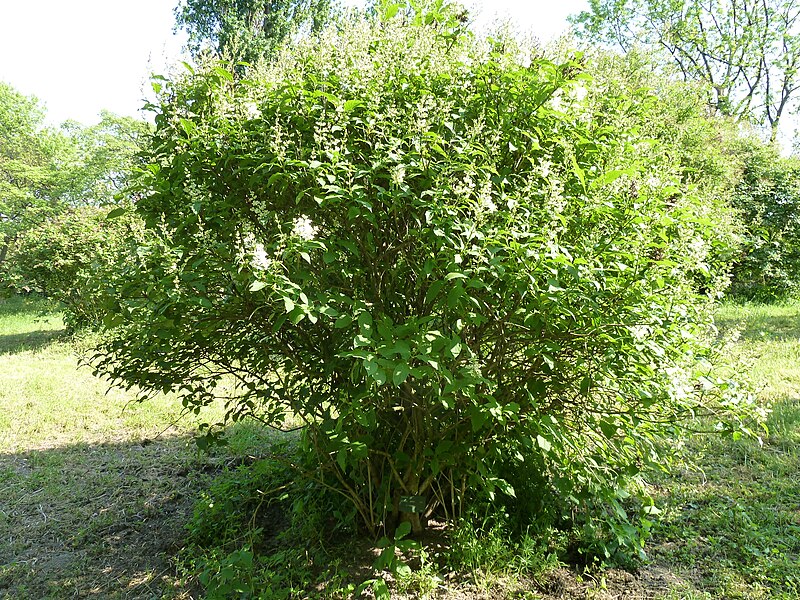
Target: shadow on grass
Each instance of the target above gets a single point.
(97, 521)
(33, 340)
(736, 521)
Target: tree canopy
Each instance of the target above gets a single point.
(56, 186)
(746, 51)
(33, 182)
(246, 30)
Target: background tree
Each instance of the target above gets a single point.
(105, 157)
(34, 163)
(746, 51)
(56, 186)
(768, 197)
(247, 30)
(704, 148)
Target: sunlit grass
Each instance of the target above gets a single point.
(95, 488)
(732, 519)
(769, 348)
(48, 400)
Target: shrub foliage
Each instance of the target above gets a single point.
(768, 197)
(428, 249)
(72, 258)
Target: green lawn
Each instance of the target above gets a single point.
(95, 491)
(731, 524)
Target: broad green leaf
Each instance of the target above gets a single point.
(402, 530)
(455, 275)
(343, 321)
(390, 11)
(365, 322)
(257, 285)
(543, 443)
(609, 429)
(400, 373)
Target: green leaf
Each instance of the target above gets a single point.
(341, 458)
(455, 275)
(188, 126)
(505, 487)
(402, 570)
(365, 323)
(400, 373)
(390, 11)
(609, 429)
(224, 73)
(611, 176)
(402, 530)
(352, 105)
(402, 348)
(543, 443)
(374, 371)
(478, 418)
(297, 315)
(117, 212)
(257, 285)
(343, 321)
(380, 589)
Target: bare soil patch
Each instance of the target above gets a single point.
(97, 521)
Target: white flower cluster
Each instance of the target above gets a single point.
(278, 141)
(578, 93)
(640, 332)
(465, 187)
(254, 255)
(251, 110)
(698, 250)
(485, 202)
(260, 259)
(556, 201)
(681, 385)
(304, 228)
(398, 175)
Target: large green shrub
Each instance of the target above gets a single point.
(699, 151)
(768, 196)
(72, 258)
(428, 249)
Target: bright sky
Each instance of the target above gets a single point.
(81, 56)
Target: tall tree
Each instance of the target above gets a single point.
(106, 155)
(747, 51)
(47, 177)
(31, 180)
(245, 30)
